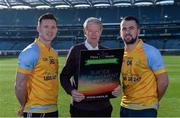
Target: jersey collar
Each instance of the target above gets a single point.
(138, 45)
(41, 44)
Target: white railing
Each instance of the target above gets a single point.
(65, 52)
(16, 52)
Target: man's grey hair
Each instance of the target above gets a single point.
(93, 20)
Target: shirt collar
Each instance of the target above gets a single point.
(89, 47)
(37, 40)
(138, 44)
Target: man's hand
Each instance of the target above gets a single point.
(78, 97)
(116, 91)
(20, 111)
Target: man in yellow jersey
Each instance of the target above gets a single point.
(36, 85)
(144, 77)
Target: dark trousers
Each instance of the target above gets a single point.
(40, 115)
(124, 112)
(75, 112)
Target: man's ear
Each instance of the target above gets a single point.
(120, 32)
(139, 30)
(37, 28)
(84, 32)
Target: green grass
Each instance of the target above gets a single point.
(169, 105)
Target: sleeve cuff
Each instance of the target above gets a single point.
(22, 70)
(162, 70)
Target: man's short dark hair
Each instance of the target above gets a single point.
(47, 16)
(129, 18)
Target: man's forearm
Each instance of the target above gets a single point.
(162, 84)
(65, 83)
(21, 95)
(161, 92)
(21, 88)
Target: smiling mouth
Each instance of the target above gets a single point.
(128, 37)
(49, 34)
(93, 38)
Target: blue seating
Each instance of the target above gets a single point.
(6, 45)
(172, 44)
(63, 44)
(18, 27)
(158, 43)
(113, 43)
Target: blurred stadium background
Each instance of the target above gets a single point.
(160, 26)
(160, 22)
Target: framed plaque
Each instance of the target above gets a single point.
(99, 72)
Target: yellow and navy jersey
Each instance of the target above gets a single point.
(41, 65)
(139, 68)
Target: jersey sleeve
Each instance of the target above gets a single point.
(28, 58)
(154, 59)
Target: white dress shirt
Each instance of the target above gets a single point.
(89, 47)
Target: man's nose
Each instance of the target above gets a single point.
(94, 33)
(128, 31)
